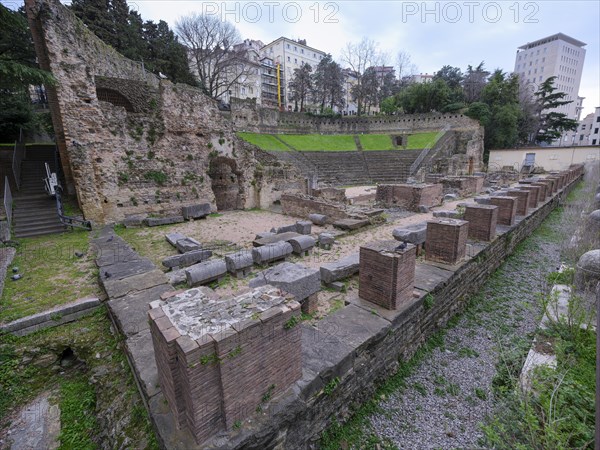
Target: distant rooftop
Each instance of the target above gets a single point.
(554, 37)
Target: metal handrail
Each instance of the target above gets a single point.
(8, 202)
(73, 222)
(18, 156)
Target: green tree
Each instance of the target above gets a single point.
(424, 97)
(328, 84)
(18, 70)
(154, 44)
(301, 85)
(474, 81)
(451, 75)
(552, 124)
(498, 111)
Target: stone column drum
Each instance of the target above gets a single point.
(387, 275)
(446, 240)
(482, 221)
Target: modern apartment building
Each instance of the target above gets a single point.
(290, 55)
(588, 132)
(559, 56)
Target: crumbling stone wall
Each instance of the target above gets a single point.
(247, 115)
(409, 196)
(130, 143)
(299, 205)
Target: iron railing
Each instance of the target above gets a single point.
(73, 222)
(8, 202)
(17, 159)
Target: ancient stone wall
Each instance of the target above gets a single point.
(247, 116)
(130, 143)
(373, 355)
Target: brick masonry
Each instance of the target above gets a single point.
(361, 343)
(446, 240)
(218, 360)
(299, 205)
(482, 222)
(535, 196)
(409, 196)
(507, 209)
(386, 275)
(522, 200)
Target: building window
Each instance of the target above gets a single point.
(288, 59)
(296, 60)
(595, 130)
(598, 119)
(288, 46)
(302, 51)
(295, 48)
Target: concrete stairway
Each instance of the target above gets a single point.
(34, 211)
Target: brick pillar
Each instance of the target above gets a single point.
(549, 186)
(164, 337)
(386, 275)
(446, 240)
(535, 195)
(507, 209)
(522, 200)
(544, 194)
(482, 221)
(199, 367)
(224, 358)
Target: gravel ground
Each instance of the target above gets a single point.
(449, 394)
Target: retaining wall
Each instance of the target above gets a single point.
(351, 350)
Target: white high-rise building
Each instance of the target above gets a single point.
(290, 55)
(559, 56)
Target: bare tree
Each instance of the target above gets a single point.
(359, 57)
(404, 67)
(211, 44)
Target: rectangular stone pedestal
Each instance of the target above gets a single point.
(482, 222)
(522, 200)
(534, 198)
(446, 240)
(507, 209)
(386, 275)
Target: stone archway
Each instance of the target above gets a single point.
(226, 183)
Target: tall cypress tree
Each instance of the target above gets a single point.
(552, 124)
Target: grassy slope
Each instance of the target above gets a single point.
(264, 141)
(52, 274)
(317, 142)
(335, 143)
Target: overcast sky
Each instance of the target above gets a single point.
(433, 33)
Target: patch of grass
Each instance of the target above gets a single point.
(320, 143)
(376, 142)
(418, 141)
(29, 366)
(466, 352)
(564, 277)
(78, 422)
(52, 274)
(264, 141)
(480, 394)
(158, 176)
